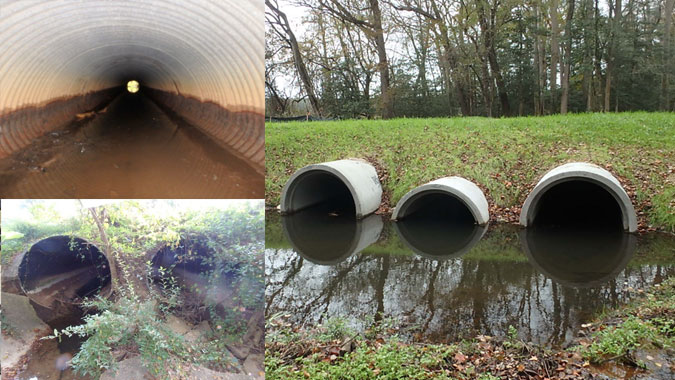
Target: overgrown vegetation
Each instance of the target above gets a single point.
(506, 157)
(134, 319)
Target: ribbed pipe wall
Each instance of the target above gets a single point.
(58, 51)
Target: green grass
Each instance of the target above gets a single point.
(504, 156)
(645, 323)
(388, 361)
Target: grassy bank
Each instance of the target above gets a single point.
(506, 157)
(644, 329)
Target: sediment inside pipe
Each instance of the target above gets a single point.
(61, 270)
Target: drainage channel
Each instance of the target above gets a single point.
(131, 150)
(190, 126)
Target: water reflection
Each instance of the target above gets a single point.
(438, 240)
(491, 287)
(578, 257)
(325, 238)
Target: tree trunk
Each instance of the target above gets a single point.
(112, 256)
(383, 65)
(488, 29)
(298, 60)
(611, 53)
(568, 58)
(667, 55)
(588, 56)
(555, 51)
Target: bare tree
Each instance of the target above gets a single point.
(568, 58)
(372, 27)
(667, 55)
(611, 50)
(279, 23)
(555, 52)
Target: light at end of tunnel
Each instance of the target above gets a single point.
(132, 86)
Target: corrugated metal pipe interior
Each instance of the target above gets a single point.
(132, 99)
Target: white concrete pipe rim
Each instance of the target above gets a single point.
(367, 199)
(287, 191)
(477, 205)
(585, 172)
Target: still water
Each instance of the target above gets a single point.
(447, 281)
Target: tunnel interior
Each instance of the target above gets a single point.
(63, 269)
(437, 224)
(322, 191)
(578, 204)
(65, 74)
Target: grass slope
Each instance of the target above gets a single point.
(506, 157)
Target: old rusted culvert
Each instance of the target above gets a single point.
(58, 272)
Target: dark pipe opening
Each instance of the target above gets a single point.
(579, 204)
(323, 191)
(63, 269)
(438, 225)
(192, 269)
(439, 207)
(186, 257)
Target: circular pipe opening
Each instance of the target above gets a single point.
(63, 269)
(200, 278)
(322, 191)
(577, 203)
(579, 195)
(437, 206)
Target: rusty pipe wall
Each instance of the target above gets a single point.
(58, 58)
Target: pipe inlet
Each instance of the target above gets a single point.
(63, 269)
(451, 199)
(338, 187)
(579, 195)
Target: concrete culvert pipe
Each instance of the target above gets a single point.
(199, 66)
(339, 187)
(579, 195)
(450, 198)
(63, 270)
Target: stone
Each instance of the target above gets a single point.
(253, 366)
(24, 326)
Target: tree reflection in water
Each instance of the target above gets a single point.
(545, 285)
